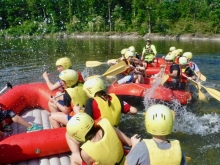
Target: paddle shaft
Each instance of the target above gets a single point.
(6, 86)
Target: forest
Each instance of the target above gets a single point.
(34, 17)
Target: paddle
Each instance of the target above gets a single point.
(97, 63)
(214, 93)
(113, 70)
(202, 77)
(8, 85)
(201, 95)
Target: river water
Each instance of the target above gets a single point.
(197, 125)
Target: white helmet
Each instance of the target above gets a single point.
(132, 49)
(188, 55)
(123, 51)
(182, 60)
(128, 54)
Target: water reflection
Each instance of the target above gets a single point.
(197, 125)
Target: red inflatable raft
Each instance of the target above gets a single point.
(131, 91)
(26, 146)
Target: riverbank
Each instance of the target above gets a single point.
(124, 35)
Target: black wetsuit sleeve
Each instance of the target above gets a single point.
(122, 104)
(89, 107)
(67, 99)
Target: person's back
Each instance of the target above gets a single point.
(88, 140)
(103, 105)
(158, 150)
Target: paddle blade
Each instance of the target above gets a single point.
(202, 96)
(94, 76)
(164, 79)
(188, 159)
(202, 77)
(116, 69)
(94, 63)
(214, 93)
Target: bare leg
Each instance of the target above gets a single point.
(56, 118)
(21, 121)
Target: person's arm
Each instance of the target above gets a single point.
(124, 139)
(75, 149)
(50, 85)
(174, 74)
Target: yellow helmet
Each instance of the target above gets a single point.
(175, 53)
(180, 51)
(148, 40)
(69, 76)
(182, 60)
(172, 48)
(170, 57)
(128, 54)
(188, 55)
(132, 49)
(92, 86)
(79, 125)
(123, 51)
(64, 62)
(159, 120)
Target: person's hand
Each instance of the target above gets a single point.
(53, 100)
(135, 140)
(45, 75)
(76, 108)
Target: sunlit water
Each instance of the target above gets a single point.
(197, 125)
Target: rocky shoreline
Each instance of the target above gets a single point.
(124, 35)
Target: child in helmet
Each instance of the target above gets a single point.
(186, 73)
(73, 93)
(103, 105)
(159, 121)
(173, 70)
(4, 114)
(192, 65)
(92, 143)
(62, 64)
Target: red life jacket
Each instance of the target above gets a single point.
(80, 77)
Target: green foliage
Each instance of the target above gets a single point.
(29, 17)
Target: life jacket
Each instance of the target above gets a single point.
(80, 77)
(78, 95)
(176, 60)
(182, 73)
(129, 69)
(108, 150)
(167, 71)
(158, 156)
(192, 65)
(112, 112)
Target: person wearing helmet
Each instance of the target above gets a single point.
(88, 141)
(178, 53)
(173, 70)
(62, 101)
(103, 105)
(149, 53)
(194, 67)
(127, 76)
(62, 64)
(135, 54)
(159, 120)
(186, 73)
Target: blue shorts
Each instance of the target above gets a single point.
(69, 117)
(61, 102)
(126, 79)
(4, 114)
